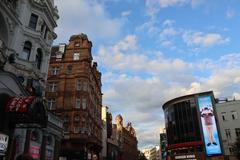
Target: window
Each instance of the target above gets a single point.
(231, 150)
(77, 118)
(237, 130)
(223, 116)
(76, 129)
(61, 48)
(52, 87)
(66, 128)
(79, 85)
(65, 119)
(84, 103)
(228, 133)
(26, 50)
(76, 56)
(38, 58)
(69, 69)
(46, 32)
(78, 103)
(77, 44)
(85, 86)
(33, 21)
(52, 104)
(43, 27)
(55, 71)
(234, 115)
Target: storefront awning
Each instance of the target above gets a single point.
(27, 111)
(19, 104)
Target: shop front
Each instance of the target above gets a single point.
(26, 125)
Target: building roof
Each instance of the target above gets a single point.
(185, 97)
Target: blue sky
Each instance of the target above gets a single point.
(150, 51)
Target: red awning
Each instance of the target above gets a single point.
(19, 104)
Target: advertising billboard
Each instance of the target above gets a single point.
(209, 128)
(3, 143)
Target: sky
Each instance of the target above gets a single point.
(151, 51)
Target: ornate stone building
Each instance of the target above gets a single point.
(74, 93)
(26, 36)
(122, 145)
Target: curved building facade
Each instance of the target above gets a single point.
(183, 127)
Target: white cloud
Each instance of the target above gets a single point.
(168, 32)
(236, 95)
(196, 3)
(168, 23)
(139, 98)
(151, 26)
(126, 13)
(203, 39)
(154, 6)
(230, 13)
(170, 3)
(97, 22)
(117, 58)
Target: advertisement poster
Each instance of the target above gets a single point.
(3, 143)
(208, 122)
(35, 152)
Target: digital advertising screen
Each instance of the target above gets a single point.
(209, 128)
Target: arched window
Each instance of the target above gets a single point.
(26, 50)
(39, 58)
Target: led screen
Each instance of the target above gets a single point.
(209, 128)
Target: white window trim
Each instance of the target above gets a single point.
(76, 56)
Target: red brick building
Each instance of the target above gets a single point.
(126, 140)
(74, 93)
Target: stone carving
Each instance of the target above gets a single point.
(119, 124)
(131, 129)
(119, 120)
(10, 25)
(79, 36)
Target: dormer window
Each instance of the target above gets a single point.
(61, 48)
(77, 44)
(76, 56)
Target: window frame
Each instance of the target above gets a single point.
(52, 104)
(55, 71)
(78, 103)
(76, 56)
(228, 133)
(79, 85)
(26, 52)
(237, 132)
(234, 115)
(52, 87)
(33, 21)
(39, 58)
(84, 103)
(223, 114)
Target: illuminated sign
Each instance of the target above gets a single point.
(188, 157)
(3, 143)
(35, 152)
(209, 128)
